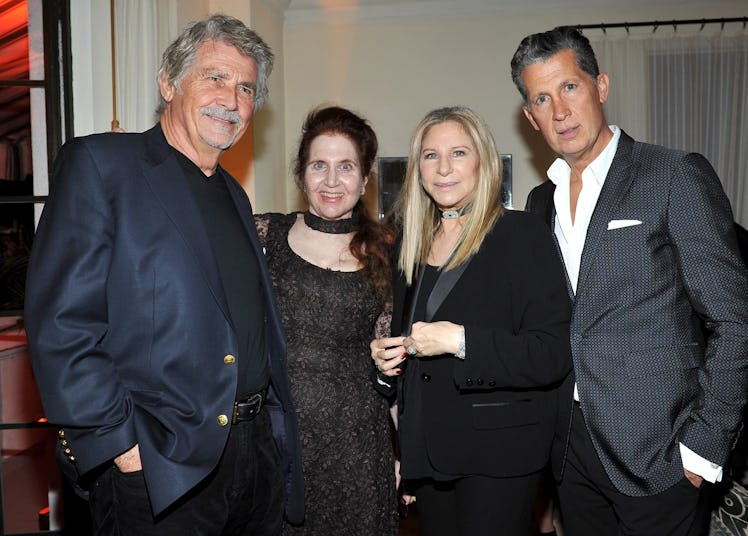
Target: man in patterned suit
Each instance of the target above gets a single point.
(659, 331)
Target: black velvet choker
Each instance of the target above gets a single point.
(345, 226)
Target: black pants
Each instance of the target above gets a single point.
(476, 505)
(242, 496)
(592, 506)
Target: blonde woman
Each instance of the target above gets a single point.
(480, 320)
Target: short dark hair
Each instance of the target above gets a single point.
(539, 47)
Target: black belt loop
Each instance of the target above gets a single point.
(247, 409)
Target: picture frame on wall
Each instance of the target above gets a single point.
(391, 175)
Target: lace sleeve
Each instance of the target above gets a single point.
(262, 222)
(382, 327)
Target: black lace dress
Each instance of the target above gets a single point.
(346, 448)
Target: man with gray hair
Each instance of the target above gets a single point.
(152, 327)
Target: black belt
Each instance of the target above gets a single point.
(248, 408)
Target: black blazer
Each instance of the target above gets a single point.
(660, 263)
(128, 323)
(494, 412)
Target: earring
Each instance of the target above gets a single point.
(363, 190)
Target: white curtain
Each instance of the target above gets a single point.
(688, 91)
(143, 29)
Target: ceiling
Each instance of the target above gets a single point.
(509, 5)
(331, 11)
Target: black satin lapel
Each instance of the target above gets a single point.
(409, 306)
(442, 288)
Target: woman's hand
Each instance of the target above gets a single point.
(387, 354)
(433, 338)
(406, 498)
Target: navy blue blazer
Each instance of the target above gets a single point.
(128, 323)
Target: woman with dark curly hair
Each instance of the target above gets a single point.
(331, 275)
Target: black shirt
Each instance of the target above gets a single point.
(239, 272)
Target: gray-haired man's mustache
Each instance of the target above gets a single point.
(220, 113)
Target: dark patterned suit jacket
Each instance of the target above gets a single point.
(659, 331)
(128, 323)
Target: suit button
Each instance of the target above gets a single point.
(426, 377)
(71, 458)
(229, 360)
(67, 451)
(222, 420)
(479, 381)
(64, 442)
(61, 433)
(492, 383)
(469, 382)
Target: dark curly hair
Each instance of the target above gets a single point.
(372, 243)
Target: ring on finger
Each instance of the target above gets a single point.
(411, 350)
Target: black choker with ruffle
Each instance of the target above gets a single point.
(322, 225)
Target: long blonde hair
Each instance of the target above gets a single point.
(419, 215)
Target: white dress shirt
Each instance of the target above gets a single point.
(571, 236)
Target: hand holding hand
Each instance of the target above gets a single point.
(387, 354)
(433, 338)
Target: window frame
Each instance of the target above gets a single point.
(58, 116)
(58, 101)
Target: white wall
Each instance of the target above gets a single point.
(90, 26)
(261, 153)
(92, 85)
(92, 66)
(393, 72)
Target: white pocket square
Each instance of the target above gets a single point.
(618, 224)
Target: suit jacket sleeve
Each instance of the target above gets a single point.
(701, 228)
(66, 312)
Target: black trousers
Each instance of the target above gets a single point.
(243, 496)
(476, 505)
(592, 506)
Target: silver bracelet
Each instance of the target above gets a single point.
(460, 354)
